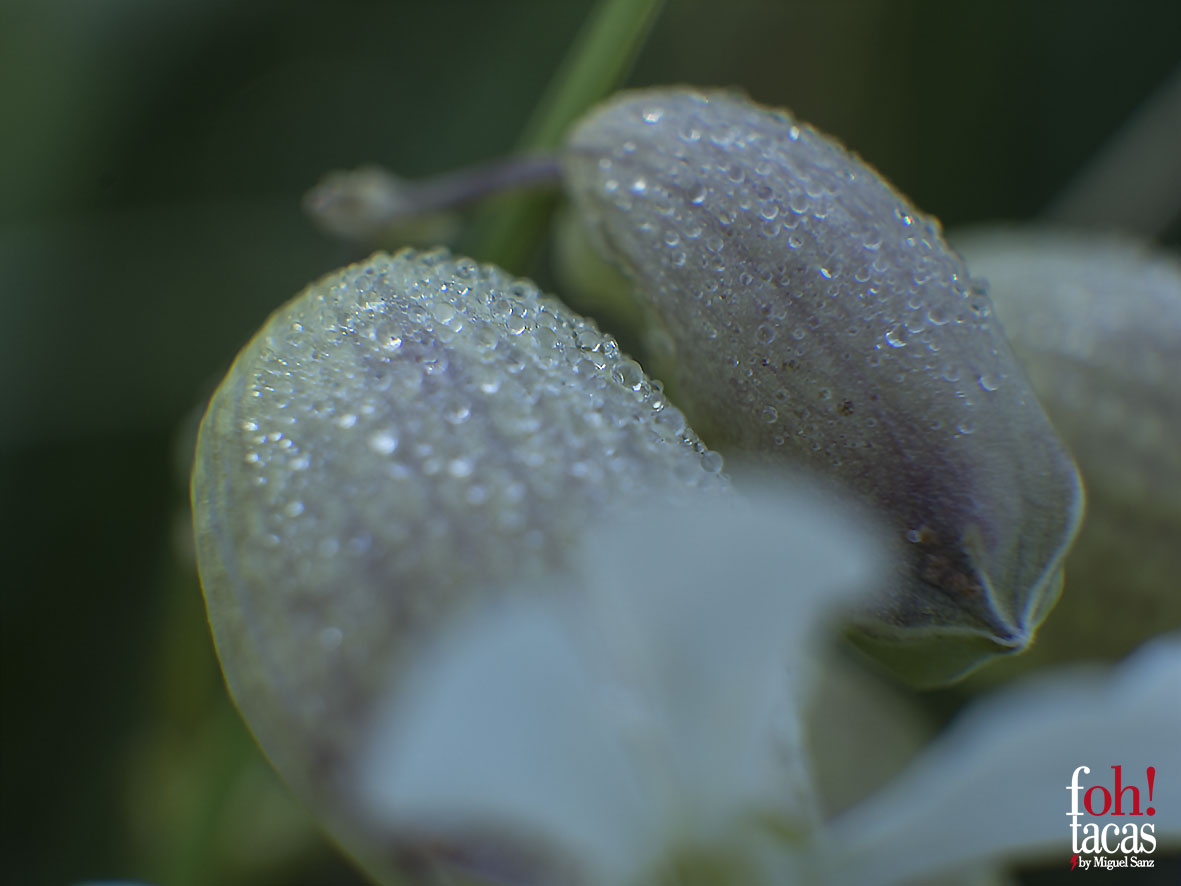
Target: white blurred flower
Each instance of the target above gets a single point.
(647, 726)
(648, 714)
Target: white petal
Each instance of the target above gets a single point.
(645, 710)
(714, 625)
(996, 784)
(506, 732)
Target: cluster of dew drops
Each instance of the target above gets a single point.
(762, 176)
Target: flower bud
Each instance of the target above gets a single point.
(1096, 322)
(810, 314)
(407, 435)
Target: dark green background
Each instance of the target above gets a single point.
(152, 158)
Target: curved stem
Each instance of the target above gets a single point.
(359, 204)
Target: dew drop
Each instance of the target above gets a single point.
(458, 413)
(383, 442)
(460, 467)
(711, 462)
(937, 316)
(629, 374)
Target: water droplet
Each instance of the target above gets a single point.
(770, 414)
(671, 420)
(460, 467)
(653, 115)
(458, 413)
(346, 421)
(937, 316)
(629, 374)
(295, 508)
(765, 334)
(988, 382)
(966, 426)
(711, 461)
(383, 442)
(895, 337)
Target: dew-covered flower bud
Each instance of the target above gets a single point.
(407, 435)
(1096, 322)
(810, 314)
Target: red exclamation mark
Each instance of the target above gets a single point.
(1151, 772)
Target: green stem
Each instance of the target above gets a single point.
(508, 230)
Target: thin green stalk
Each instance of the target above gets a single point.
(509, 230)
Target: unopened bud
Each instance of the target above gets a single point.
(810, 314)
(409, 435)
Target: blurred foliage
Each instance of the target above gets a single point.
(154, 155)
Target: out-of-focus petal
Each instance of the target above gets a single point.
(650, 710)
(995, 784)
